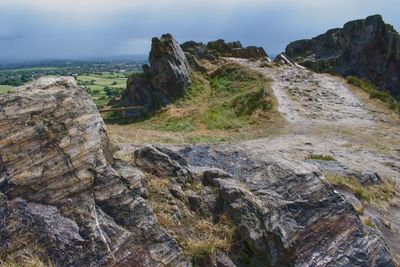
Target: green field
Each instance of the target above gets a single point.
(103, 87)
(5, 88)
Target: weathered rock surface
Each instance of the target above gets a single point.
(199, 50)
(366, 48)
(60, 191)
(283, 219)
(215, 49)
(235, 49)
(165, 80)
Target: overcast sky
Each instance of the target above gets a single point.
(101, 28)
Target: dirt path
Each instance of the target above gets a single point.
(325, 116)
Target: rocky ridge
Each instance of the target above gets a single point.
(367, 48)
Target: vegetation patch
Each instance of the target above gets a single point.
(231, 103)
(26, 258)
(321, 157)
(375, 93)
(200, 237)
(377, 194)
(104, 87)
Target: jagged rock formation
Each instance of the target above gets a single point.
(215, 49)
(165, 80)
(62, 194)
(235, 49)
(366, 48)
(287, 219)
(199, 50)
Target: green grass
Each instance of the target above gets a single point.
(185, 124)
(382, 193)
(5, 89)
(97, 84)
(321, 157)
(233, 103)
(238, 93)
(375, 93)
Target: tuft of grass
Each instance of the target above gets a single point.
(214, 238)
(25, 259)
(178, 124)
(200, 238)
(368, 221)
(377, 194)
(375, 93)
(321, 157)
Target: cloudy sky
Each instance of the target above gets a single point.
(101, 28)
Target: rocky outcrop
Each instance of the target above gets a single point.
(214, 49)
(199, 50)
(285, 219)
(62, 194)
(165, 80)
(366, 48)
(235, 49)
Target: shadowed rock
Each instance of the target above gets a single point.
(165, 80)
(235, 49)
(59, 191)
(366, 48)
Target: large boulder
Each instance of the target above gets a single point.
(366, 48)
(165, 80)
(62, 195)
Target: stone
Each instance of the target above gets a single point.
(369, 178)
(194, 63)
(210, 174)
(61, 191)
(366, 48)
(199, 51)
(162, 162)
(165, 80)
(224, 261)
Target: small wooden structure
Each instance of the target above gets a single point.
(123, 110)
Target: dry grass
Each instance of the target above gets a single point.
(368, 221)
(385, 193)
(321, 157)
(199, 237)
(24, 259)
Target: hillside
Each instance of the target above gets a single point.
(214, 155)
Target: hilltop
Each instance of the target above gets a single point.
(228, 159)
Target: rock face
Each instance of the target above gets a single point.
(287, 219)
(235, 49)
(199, 50)
(215, 49)
(165, 80)
(366, 48)
(60, 190)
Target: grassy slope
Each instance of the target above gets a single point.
(5, 88)
(231, 103)
(375, 93)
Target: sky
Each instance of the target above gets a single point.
(33, 29)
